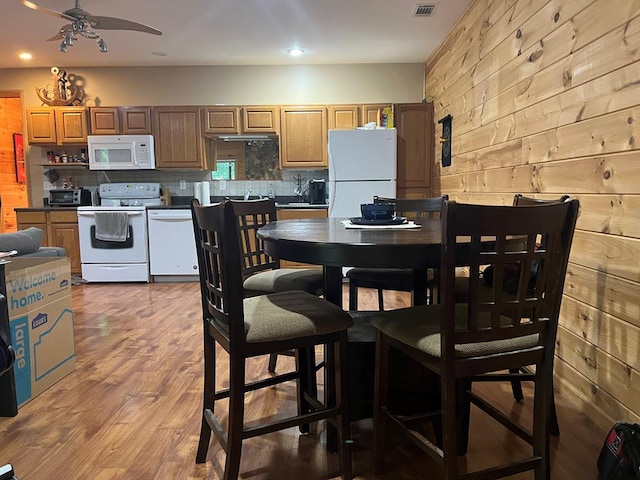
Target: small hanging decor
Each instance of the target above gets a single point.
(60, 92)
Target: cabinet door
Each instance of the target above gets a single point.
(105, 120)
(303, 141)
(372, 113)
(178, 138)
(414, 123)
(34, 219)
(294, 213)
(343, 117)
(71, 125)
(260, 120)
(221, 120)
(66, 235)
(136, 120)
(41, 125)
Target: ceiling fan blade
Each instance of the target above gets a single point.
(38, 8)
(112, 23)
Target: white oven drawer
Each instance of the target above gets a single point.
(126, 272)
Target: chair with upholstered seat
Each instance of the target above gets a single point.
(261, 325)
(463, 342)
(516, 376)
(398, 279)
(261, 273)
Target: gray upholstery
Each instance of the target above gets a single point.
(23, 241)
(285, 279)
(419, 327)
(47, 252)
(287, 315)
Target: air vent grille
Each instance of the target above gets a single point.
(424, 10)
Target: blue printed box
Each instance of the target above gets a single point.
(41, 322)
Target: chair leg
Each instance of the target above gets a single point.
(208, 396)
(236, 418)
(273, 359)
(353, 295)
(380, 396)
(380, 300)
(450, 427)
(516, 386)
(542, 400)
(342, 397)
(463, 414)
(555, 427)
(305, 370)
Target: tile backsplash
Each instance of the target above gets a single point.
(175, 180)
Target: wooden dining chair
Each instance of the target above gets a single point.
(464, 342)
(261, 325)
(261, 273)
(398, 279)
(516, 375)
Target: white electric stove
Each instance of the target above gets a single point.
(112, 261)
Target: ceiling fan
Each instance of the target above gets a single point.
(83, 23)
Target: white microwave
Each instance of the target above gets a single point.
(121, 152)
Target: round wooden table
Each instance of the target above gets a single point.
(326, 242)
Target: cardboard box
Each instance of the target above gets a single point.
(41, 323)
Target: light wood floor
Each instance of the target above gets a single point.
(132, 408)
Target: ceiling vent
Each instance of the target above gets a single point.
(424, 10)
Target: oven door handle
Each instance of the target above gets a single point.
(93, 214)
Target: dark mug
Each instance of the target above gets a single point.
(377, 211)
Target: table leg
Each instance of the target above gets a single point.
(333, 285)
(419, 294)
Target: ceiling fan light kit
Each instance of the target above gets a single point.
(83, 23)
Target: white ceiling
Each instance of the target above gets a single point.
(233, 32)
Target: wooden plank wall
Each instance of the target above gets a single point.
(13, 194)
(545, 99)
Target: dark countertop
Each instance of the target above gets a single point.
(46, 208)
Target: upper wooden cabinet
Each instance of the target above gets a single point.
(221, 119)
(57, 125)
(120, 120)
(303, 140)
(414, 123)
(372, 113)
(343, 117)
(178, 138)
(260, 120)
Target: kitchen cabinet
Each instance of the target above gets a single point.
(221, 120)
(178, 138)
(120, 120)
(343, 117)
(303, 138)
(57, 125)
(61, 230)
(372, 113)
(414, 123)
(295, 213)
(260, 119)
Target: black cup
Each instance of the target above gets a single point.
(377, 211)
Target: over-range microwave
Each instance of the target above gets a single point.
(121, 152)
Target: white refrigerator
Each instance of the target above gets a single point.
(362, 163)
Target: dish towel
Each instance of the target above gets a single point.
(112, 226)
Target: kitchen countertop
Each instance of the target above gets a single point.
(180, 206)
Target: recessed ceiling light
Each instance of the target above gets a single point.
(25, 56)
(295, 52)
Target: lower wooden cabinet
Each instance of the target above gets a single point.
(61, 230)
(295, 213)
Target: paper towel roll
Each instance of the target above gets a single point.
(197, 191)
(205, 192)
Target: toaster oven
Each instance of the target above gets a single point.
(69, 197)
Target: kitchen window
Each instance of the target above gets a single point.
(225, 170)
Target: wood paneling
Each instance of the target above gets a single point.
(545, 101)
(12, 193)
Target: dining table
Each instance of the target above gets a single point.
(328, 242)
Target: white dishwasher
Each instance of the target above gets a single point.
(172, 247)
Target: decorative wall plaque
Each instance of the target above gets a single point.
(445, 140)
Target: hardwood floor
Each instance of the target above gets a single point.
(132, 408)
